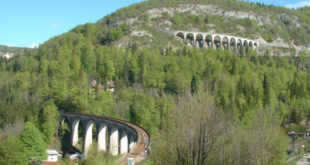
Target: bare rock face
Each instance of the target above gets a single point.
(137, 29)
(214, 10)
(209, 10)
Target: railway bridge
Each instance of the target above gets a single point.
(112, 135)
(218, 41)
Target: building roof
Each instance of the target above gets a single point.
(111, 84)
(51, 152)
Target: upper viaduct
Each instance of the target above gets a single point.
(112, 135)
(219, 41)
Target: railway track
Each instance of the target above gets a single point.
(138, 152)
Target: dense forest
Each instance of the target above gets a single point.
(200, 106)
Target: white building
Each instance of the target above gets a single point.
(52, 155)
(7, 55)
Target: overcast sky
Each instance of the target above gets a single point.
(28, 23)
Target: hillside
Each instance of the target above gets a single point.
(146, 24)
(204, 106)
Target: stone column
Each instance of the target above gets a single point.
(114, 141)
(205, 43)
(194, 40)
(228, 43)
(212, 42)
(102, 138)
(221, 42)
(241, 43)
(124, 143)
(235, 44)
(75, 132)
(88, 137)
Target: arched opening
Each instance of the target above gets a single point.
(239, 43)
(200, 40)
(255, 45)
(64, 136)
(181, 35)
(131, 144)
(217, 42)
(233, 43)
(251, 44)
(190, 37)
(225, 43)
(245, 43)
(209, 41)
(102, 138)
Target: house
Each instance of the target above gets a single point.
(7, 55)
(52, 155)
(111, 86)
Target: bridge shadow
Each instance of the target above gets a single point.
(65, 139)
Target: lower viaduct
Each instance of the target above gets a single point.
(219, 41)
(112, 135)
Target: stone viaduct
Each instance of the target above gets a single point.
(113, 135)
(219, 41)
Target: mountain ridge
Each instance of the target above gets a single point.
(273, 28)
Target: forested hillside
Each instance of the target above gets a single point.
(201, 106)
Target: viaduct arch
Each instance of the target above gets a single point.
(218, 41)
(112, 135)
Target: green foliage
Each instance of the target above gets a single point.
(143, 112)
(95, 158)
(146, 18)
(13, 151)
(149, 81)
(33, 141)
(49, 121)
(195, 84)
(177, 20)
